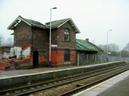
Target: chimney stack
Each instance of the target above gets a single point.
(87, 39)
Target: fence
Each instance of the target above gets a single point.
(110, 58)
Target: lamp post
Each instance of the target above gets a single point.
(50, 35)
(107, 44)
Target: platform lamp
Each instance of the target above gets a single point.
(107, 43)
(50, 35)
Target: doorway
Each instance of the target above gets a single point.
(35, 59)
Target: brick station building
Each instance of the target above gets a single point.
(33, 34)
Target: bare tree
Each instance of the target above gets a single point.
(126, 48)
(9, 41)
(6, 42)
(125, 51)
(1, 40)
(111, 47)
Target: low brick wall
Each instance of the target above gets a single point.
(47, 75)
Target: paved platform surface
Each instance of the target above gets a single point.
(119, 89)
(116, 86)
(4, 74)
(14, 73)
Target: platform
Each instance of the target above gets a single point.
(116, 86)
(18, 73)
(15, 73)
(19, 77)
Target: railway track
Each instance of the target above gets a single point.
(92, 81)
(82, 84)
(78, 82)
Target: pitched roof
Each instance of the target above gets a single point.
(59, 23)
(35, 23)
(27, 21)
(84, 45)
(54, 24)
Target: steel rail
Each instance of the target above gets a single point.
(50, 81)
(50, 84)
(98, 79)
(53, 85)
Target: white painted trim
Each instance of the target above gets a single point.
(101, 87)
(78, 59)
(12, 23)
(24, 20)
(54, 45)
(63, 23)
(18, 18)
(6, 76)
(69, 19)
(75, 26)
(17, 23)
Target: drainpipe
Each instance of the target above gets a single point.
(32, 49)
(78, 59)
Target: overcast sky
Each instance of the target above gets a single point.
(94, 18)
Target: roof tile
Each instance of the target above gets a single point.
(35, 23)
(85, 45)
(55, 24)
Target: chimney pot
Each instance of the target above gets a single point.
(87, 39)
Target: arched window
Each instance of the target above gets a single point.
(66, 34)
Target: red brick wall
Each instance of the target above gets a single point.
(42, 59)
(58, 57)
(22, 35)
(40, 40)
(73, 57)
(41, 43)
(60, 37)
(58, 53)
(54, 56)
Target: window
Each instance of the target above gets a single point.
(67, 55)
(66, 34)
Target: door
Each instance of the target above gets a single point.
(35, 59)
(67, 55)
